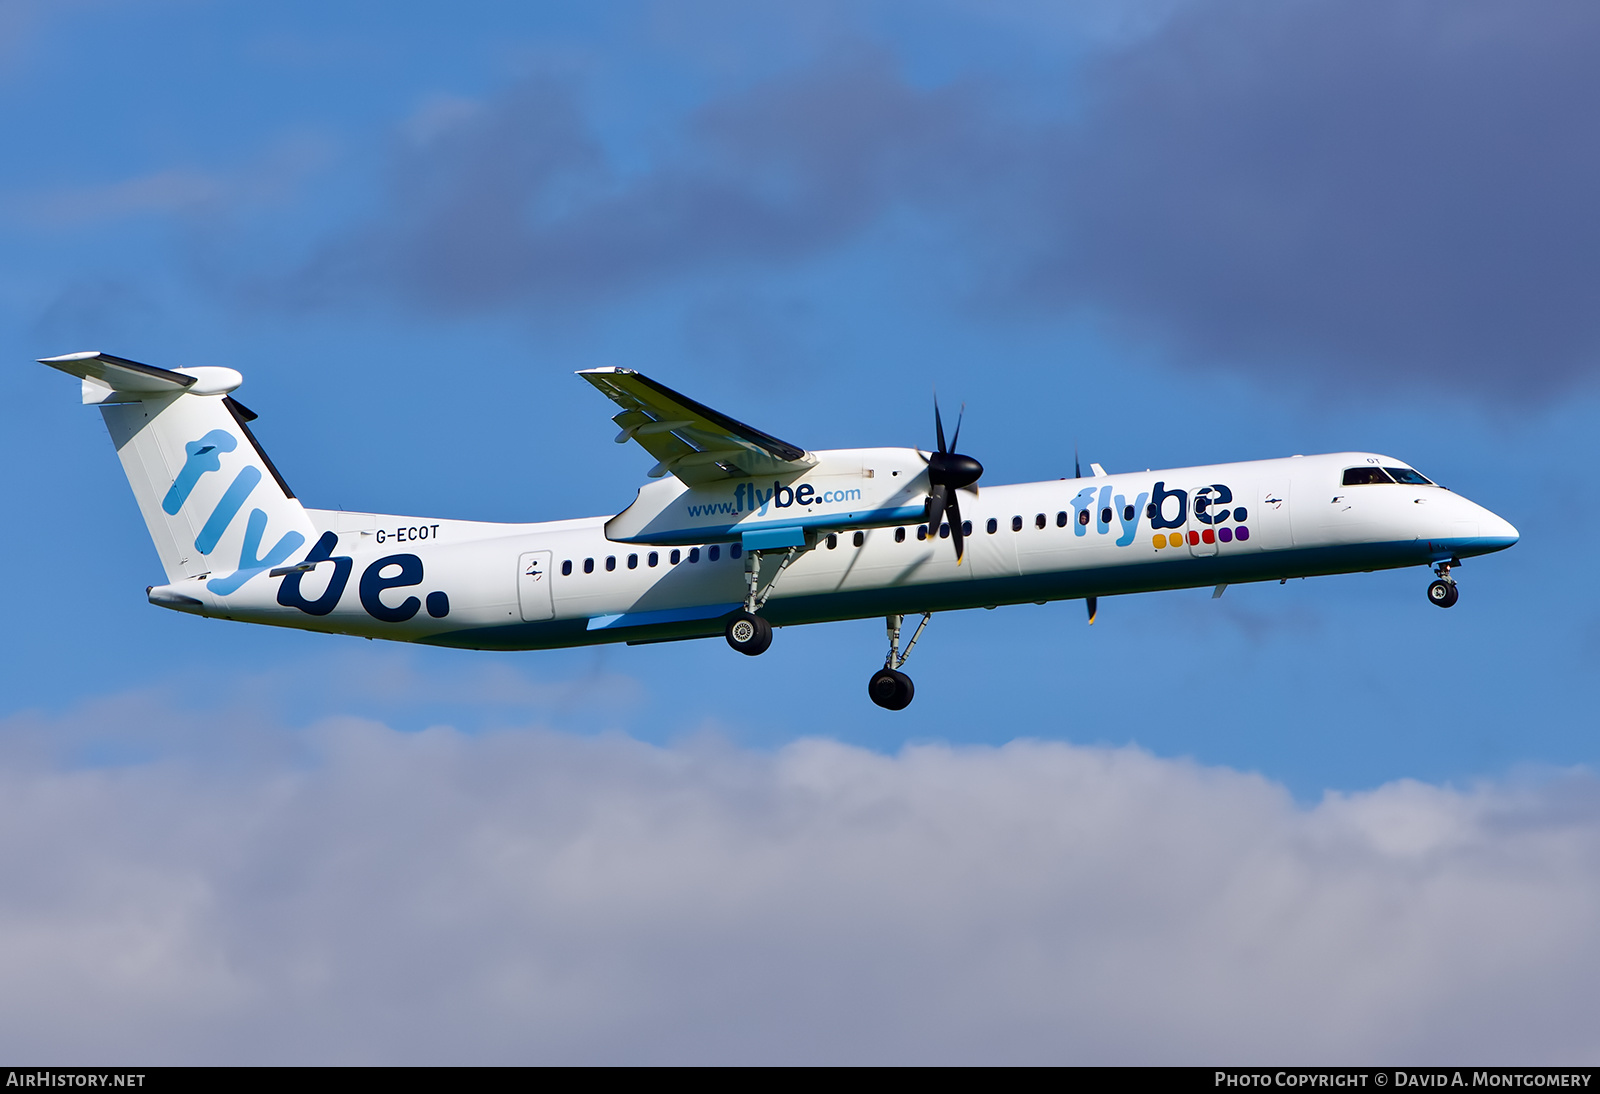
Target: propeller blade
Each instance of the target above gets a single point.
(1094, 605)
(953, 510)
(938, 498)
(1077, 468)
(949, 471)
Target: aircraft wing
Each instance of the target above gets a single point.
(691, 440)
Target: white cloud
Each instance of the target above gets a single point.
(535, 896)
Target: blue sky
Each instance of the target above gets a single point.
(1166, 233)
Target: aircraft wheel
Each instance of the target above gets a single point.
(1444, 593)
(749, 634)
(890, 689)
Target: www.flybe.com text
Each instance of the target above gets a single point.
(747, 496)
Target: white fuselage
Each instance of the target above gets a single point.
(563, 583)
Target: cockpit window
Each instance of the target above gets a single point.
(1364, 476)
(1407, 476)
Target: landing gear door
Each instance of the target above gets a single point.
(533, 587)
(1205, 508)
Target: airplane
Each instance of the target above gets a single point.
(738, 532)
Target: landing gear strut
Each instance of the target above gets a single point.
(890, 688)
(1443, 592)
(746, 631)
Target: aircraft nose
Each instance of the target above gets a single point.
(1494, 532)
(1498, 529)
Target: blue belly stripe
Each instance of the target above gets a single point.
(665, 615)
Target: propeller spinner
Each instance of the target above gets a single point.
(949, 471)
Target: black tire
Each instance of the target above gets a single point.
(1443, 593)
(891, 690)
(749, 634)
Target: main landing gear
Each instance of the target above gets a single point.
(746, 631)
(1443, 592)
(890, 688)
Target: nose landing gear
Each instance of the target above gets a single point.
(1443, 592)
(890, 688)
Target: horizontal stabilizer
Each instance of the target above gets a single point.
(119, 373)
(110, 379)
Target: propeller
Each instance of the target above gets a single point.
(949, 471)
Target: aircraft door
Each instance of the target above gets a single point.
(1271, 530)
(1203, 510)
(533, 586)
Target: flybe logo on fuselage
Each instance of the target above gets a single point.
(1211, 507)
(750, 498)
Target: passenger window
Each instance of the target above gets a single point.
(1061, 520)
(1408, 477)
(899, 535)
(633, 562)
(652, 558)
(966, 527)
(1105, 515)
(922, 532)
(833, 540)
(1083, 517)
(588, 565)
(944, 530)
(694, 554)
(861, 539)
(566, 568)
(733, 552)
(611, 562)
(1127, 513)
(675, 557)
(1365, 476)
(993, 526)
(1016, 524)
(1040, 521)
(716, 552)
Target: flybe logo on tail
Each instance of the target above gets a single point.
(201, 458)
(203, 455)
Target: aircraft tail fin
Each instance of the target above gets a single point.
(214, 503)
